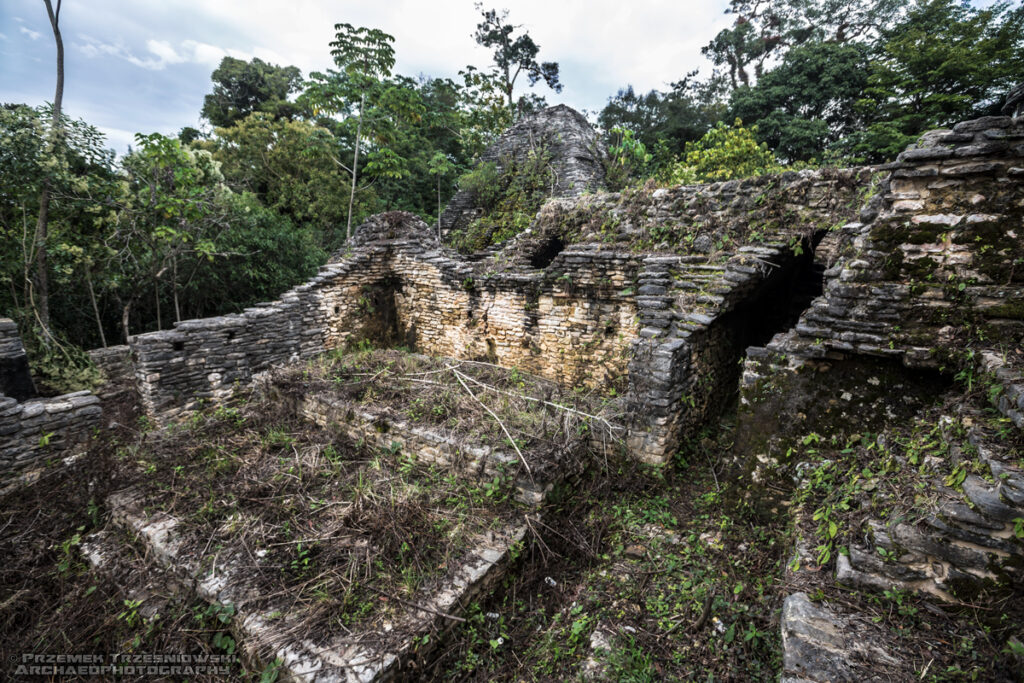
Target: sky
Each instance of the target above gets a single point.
(144, 66)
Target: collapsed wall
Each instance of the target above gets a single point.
(928, 285)
(395, 285)
(15, 378)
(933, 274)
(721, 265)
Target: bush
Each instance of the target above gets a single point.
(724, 153)
(510, 199)
(484, 182)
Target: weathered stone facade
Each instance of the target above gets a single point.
(928, 281)
(33, 429)
(663, 328)
(936, 256)
(115, 362)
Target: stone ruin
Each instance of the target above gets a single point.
(672, 297)
(577, 159)
(33, 429)
(930, 269)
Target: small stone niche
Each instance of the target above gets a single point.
(547, 251)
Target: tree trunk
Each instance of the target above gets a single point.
(355, 168)
(95, 308)
(126, 313)
(174, 288)
(41, 276)
(156, 298)
(508, 93)
(438, 208)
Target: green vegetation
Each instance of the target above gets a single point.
(242, 88)
(510, 195)
(725, 153)
(834, 81)
(513, 56)
(180, 228)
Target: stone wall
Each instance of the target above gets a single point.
(38, 429)
(397, 285)
(717, 218)
(32, 430)
(204, 360)
(928, 283)
(15, 378)
(662, 324)
(115, 362)
(936, 265)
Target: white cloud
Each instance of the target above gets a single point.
(602, 45)
(33, 35)
(646, 43)
(118, 139)
(164, 52)
(204, 53)
(608, 44)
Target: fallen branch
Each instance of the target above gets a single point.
(416, 605)
(459, 376)
(558, 406)
(705, 613)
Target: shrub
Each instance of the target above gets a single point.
(724, 153)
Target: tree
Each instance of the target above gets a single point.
(293, 167)
(242, 274)
(364, 58)
(764, 29)
(241, 88)
(806, 103)
(81, 184)
(665, 122)
(628, 157)
(942, 63)
(725, 153)
(440, 166)
(487, 113)
(513, 55)
(41, 294)
(171, 216)
(187, 135)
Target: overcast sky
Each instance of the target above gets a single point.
(145, 66)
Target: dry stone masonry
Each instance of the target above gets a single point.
(35, 429)
(576, 159)
(929, 279)
(855, 291)
(15, 378)
(661, 325)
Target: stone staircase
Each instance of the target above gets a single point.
(972, 536)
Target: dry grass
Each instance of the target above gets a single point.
(477, 402)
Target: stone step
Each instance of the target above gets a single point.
(269, 632)
(1008, 371)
